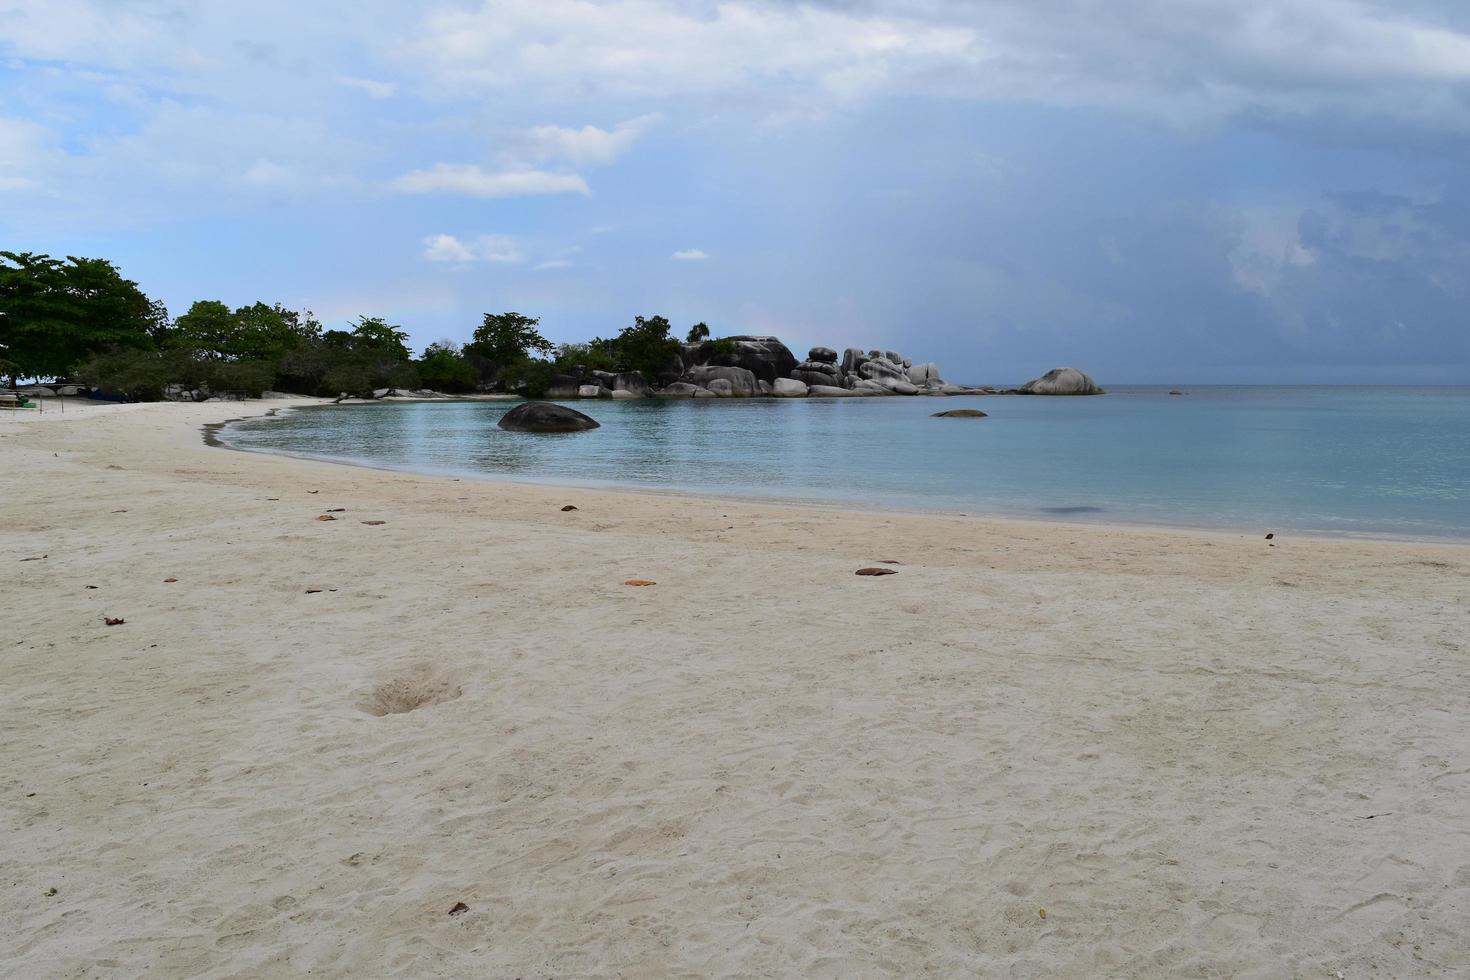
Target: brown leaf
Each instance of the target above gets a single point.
(335, 510)
(460, 908)
(167, 580)
(326, 517)
(889, 561)
(312, 591)
(113, 622)
(36, 558)
(375, 523)
(568, 507)
(639, 582)
(876, 571)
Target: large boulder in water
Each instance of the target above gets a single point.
(630, 381)
(742, 381)
(788, 388)
(923, 374)
(879, 368)
(545, 417)
(679, 389)
(765, 357)
(1062, 381)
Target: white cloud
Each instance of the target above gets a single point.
(499, 249)
(588, 145)
(553, 264)
(1159, 56)
(267, 173)
(470, 180)
(689, 255)
(371, 87)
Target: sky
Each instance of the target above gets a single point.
(1154, 191)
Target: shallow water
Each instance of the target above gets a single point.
(1345, 460)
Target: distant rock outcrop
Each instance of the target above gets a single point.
(741, 380)
(1061, 381)
(545, 417)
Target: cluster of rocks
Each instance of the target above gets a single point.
(756, 367)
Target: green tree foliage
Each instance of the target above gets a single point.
(581, 359)
(146, 375)
(508, 338)
(698, 332)
(646, 346)
(530, 377)
(442, 368)
(258, 332)
(373, 333)
(55, 314)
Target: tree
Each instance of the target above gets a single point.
(208, 327)
(698, 332)
(251, 333)
(646, 346)
(507, 338)
(54, 315)
(376, 334)
(443, 369)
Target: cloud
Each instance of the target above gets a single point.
(469, 180)
(372, 88)
(498, 249)
(588, 146)
(1160, 57)
(553, 264)
(689, 255)
(267, 173)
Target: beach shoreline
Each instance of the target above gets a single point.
(1194, 750)
(213, 437)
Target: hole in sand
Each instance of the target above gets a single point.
(417, 688)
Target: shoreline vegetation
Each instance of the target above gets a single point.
(442, 733)
(81, 325)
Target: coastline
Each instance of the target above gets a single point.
(1194, 751)
(213, 438)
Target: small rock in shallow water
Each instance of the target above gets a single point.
(168, 580)
(960, 413)
(110, 621)
(375, 523)
(876, 571)
(326, 517)
(568, 507)
(460, 908)
(639, 582)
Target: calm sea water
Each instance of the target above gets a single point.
(1346, 460)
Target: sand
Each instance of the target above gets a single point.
(1198, 754)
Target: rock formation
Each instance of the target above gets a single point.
(1061, 381)
(545, 417)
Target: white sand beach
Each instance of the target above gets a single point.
(1039, 750)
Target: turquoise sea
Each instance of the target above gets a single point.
(1374, 461)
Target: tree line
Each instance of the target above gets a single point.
(79, 319)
